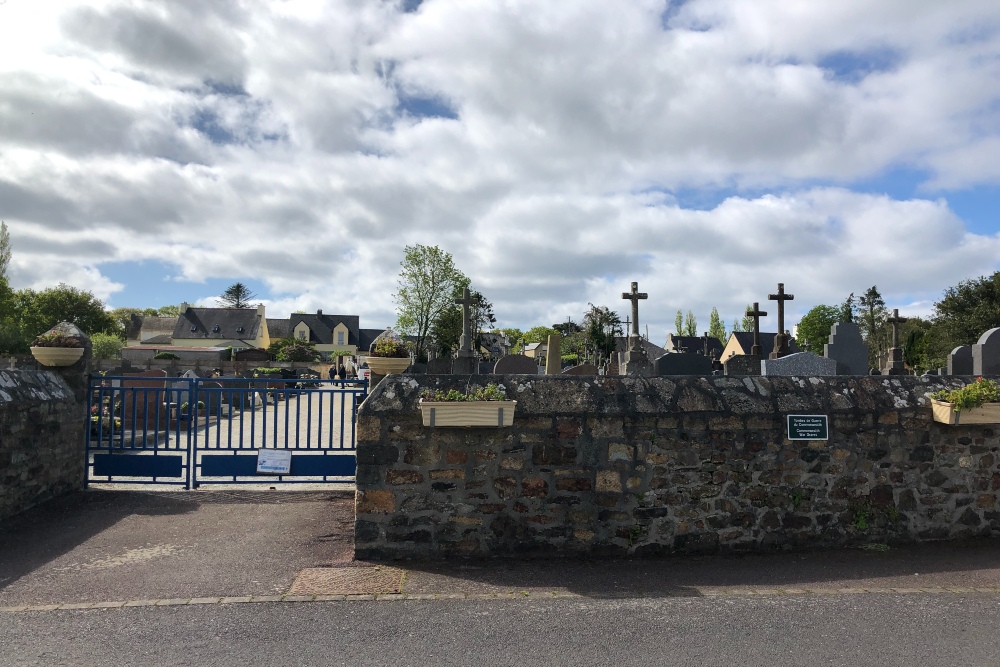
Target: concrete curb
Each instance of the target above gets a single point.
(509, 595)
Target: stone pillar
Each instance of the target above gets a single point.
(553, 355)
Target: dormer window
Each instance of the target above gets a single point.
(216, 329)
(239, 329)
(194, 328)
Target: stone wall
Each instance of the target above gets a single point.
(614, 466)
(41, 439)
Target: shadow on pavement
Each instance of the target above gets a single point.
(929, 565)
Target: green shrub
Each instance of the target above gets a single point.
(165, 355)
(971, 395)
(491, 392)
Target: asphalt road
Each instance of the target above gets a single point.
(883, 630)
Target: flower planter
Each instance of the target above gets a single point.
(467, 413)
(57, 356)
(388, 365)
(988, 413)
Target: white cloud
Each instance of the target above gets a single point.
(285, 142)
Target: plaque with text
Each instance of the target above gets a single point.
(808, 427)
(274, 461)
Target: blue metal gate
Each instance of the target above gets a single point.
(195, 431)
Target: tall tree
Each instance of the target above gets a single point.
(716, 327)
(5, 250)
(847, 309)
(966, 311)
(427, 283)
(872, 314)
(747, 324)
(601, 326)
(690, 324)
(814, 327)
(237, 295)
(679, 323)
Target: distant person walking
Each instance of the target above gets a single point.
(333, 372)
(342, 372)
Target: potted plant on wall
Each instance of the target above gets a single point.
(56, 349)
(388, 355)
(975, 403)
(481, 406)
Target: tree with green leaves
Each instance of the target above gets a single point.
(28, 313)
(967, 310)
(428, 280)
(814, 327)
(716, 327)
(106, 345)
(690, 324)
(237, 295)
(872, 313)
(679, 323)
(538, 335)
(747, 324)
(601, 326)
(848, 309)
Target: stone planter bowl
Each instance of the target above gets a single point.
(57, 356)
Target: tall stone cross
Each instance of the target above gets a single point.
(781, 340)
(634, 296)
(466, 302)
(756, 313)
(895, 321)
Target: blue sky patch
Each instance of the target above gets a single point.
(153, 284)
(853, 66)
(426, 106)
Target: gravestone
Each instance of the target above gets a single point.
(801, 364)
(440, 366)
(895, 365)
(516, 364)
(848, 349)
(553, 355)
(637, 362)
(142, 400)
(466, 362)
(741, 364)
(960, 361)
(986, 354)
(582, 369)
(781, 339)
(683, 363)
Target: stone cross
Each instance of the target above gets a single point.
(756, 313)
(704, 340)
(466, 302)
(781, 340)
(634, 296)
(895, 321)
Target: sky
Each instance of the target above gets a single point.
(157, 152)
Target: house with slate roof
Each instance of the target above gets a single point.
(330, 333)
(740, 343)
(149, 330)
(240, 328)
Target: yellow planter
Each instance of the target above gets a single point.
(388, 365)
(988, 413)
(57, 356)
(467, 413)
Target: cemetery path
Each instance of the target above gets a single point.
(128, 545)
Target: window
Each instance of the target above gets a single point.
(340, 338)
(302, 335)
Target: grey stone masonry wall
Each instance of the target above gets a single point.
(614, 466)
(41, 439)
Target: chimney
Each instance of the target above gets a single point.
(319, 312)
(260, 309)
(184, 306)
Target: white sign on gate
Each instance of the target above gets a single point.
(274, 461)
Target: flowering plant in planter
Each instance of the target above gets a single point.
(971, 395)
(480, 406)
(56, 339)
(975, 403)
(389, 347)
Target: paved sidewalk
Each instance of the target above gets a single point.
(126, 548)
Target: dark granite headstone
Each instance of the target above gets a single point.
(439, 366)
(848, 349)
(742, 364)
(800, 364)
(960, 361)
(986, 354)
(516, 364)
(582, 369)
(684, 363)
(141, 400)
(465, 365)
